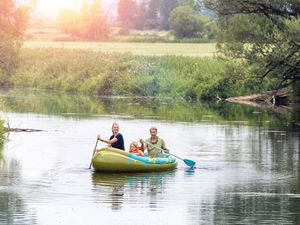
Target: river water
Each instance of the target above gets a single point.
(247, 168)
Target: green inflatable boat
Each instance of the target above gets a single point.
(115, 160)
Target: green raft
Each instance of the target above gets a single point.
(115, 160)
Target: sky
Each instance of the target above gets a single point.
(51, 8)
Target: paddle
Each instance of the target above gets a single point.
(188, 162)
(93, 153)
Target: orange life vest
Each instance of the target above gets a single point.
(138, 151)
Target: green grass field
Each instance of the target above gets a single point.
(147, 49)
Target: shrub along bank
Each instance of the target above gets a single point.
(114, 74)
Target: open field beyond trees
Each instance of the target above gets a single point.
(151, 49)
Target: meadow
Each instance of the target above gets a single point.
(135, 48)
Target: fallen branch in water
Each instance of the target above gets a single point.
(269, 97)
(8, 129)
(278, 109)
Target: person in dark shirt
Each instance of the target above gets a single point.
(116, 140)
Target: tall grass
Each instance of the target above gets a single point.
(126, 74)
(1, 132)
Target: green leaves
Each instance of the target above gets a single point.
(264, 33)
(13, 20)
(186, 23)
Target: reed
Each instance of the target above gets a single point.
(1, 132)
(125, 74)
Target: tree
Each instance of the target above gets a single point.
(127, 13)
(140, 16)
(90, 24)
(185, 22)
(13, 20)
(195, 4)
(165, 9)
(96, 26)
(152, 14)
(69, 22)
(265, 33)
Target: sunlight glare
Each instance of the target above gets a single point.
(53, 7)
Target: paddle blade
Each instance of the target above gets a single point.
(189, 163)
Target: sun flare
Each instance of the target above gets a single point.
(53, 7)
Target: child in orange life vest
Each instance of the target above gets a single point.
(135, 149)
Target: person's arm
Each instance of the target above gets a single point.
(114, 140)
(143, 145)
(164, 147)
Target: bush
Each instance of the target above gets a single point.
(186, 23)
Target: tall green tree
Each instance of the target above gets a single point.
(13, 20)
(265, 33)
(185, 22)
(166, 6)
(152, 14)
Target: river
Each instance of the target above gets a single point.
(247, 169)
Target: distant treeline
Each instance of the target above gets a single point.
(181, 17)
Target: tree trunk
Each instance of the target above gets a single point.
(270, 97)
(296, 92)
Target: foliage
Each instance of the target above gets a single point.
(264, 33)
(1, 123)
(66, 105)
(186, 23)
(127, 13)
(1, 132)
(166, 8)
(152, 14)
(89, 24)
(195, 4)
(237, 80)
(13, 19)
(112, 74)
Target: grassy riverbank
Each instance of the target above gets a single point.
(1, 132)
(126, 74)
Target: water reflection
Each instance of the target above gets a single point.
(247, 163)
(81, 106)
(13, 209)
(145, 189)
(263, 206)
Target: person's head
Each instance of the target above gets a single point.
(133, 145)
(115, 128)
(153, 131)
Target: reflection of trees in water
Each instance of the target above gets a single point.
(265, 180)
(126, 188)
(80, 106)
(240, 207)
(266, 149)
(13, 209)
(277, 151)
(246, 204)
